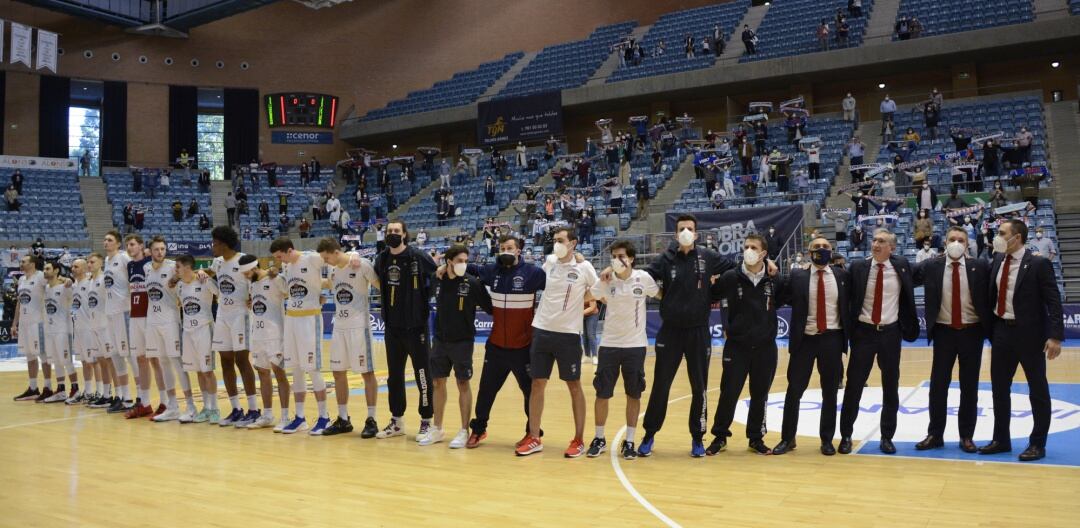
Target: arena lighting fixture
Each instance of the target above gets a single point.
(1055, 64)
(881, 86)
(392, 146)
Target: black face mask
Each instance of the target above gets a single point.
(393, 240)
(821, 256)
(506, 260)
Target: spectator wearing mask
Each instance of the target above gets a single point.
(931, 116)
(17, 181)
(641, 188)
(204, 222)
(1024, 141)
(1043, 246)
(848, 106)
(925, 253)
(887, 108)
(264, 212)
(857, 239)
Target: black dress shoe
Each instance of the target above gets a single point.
(845, 445)
(930, 442)
(887, 446)
(783, 447)
(967, 446)
(1032, 453)
(827, 449)
(994, 448)
(758, 446)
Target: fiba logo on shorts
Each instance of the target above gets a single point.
(192, 308)
(154, 294)
(92, 301)
(258, 307)
(226, 287)
(297, 291)
(343, 296)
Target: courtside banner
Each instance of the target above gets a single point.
(732, 225)
(195, 249)
(33, 162)
(529, 118)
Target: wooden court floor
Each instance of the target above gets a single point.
(72, 466)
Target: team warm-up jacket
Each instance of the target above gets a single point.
(456, 300)
(513, 299)
(749, 312)
(405, 282)
(684, 280)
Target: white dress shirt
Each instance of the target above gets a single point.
(967, 306)
(890, 295)
(754, 277)
(832, 306)
(1014, 270)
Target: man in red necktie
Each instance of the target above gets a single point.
(818, 332)
(882, 311)
(1028, 330)
(958, 319)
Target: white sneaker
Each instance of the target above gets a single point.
(596, 360)
(282, 424)
(459, 440)
(57, 397)
(392, 429)
(187, 417)
(434, 435)
(266, 420)
(169, 415)
(425, 428)
(76, 399)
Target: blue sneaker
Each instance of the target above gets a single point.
(697, 449)
(232, 418)
(645, 449)
(248, 419)
(298, 424)
(319, 427)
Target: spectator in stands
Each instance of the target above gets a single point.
(931, 115)
(332, 204)
(854, 8)
(961, 139)
(862, 203)
(460, 172)
(761, 135)
(305, 174)
(764, 168)
(11, 197)
(926, 197)
(204, 222)
(17, 181)
(916, 27)
(718, 197)
(823, 35)
(1023, 144)
(936, 97)
(150, 183)
(802, 182)
(888, 187)
(84, 163)
(37, 249)
(903, 28)
(136, 180)
(316, 169)
(129, 217)
(997, 196)
(848, 106)
(813, 156)
(193, 208)
(774, 242)
(304, 227)
(283, 203)
(991, 158)
(230, 208)
(689, 46)
(264, 212)
(749, 40)
(177, 210)
(163, 180)
(888, 132)
(489, 191)
(925, 252)
(843, 30)
(887, 108)
(746, 155)
(718, 40)
(140, 218)
(1029, 187)
(857, 239)
(204, 181)
(911, 142)
(344, 223)
(705, 47)
(641, 188)
(954, 201)
(855, 150)
(1043, 246)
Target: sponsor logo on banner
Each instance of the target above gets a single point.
(33, 162)
(284, 137)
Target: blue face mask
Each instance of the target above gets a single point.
(821, 256)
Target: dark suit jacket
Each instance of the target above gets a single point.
(859, 272)
(1036, 300)
(929, 274)
(800, 303)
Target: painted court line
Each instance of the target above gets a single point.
(42, 422)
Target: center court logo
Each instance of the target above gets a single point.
(913, 415)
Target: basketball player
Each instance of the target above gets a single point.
(267, 313)
(196, 354)
(99, 325)
(302, 329)
(556, 338)
(350, 343)
(163, 334)
(117, 313)
(27, 326)
(136, 275)
(231, 324)
(86, 344)
(58, 332)
(622, 346)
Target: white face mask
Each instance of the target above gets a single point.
(618, 265)
(751, 257)
(561, 250)
(1038, 235)
(686, 237)
(459, 268)
(1001, 244)
(955, 250)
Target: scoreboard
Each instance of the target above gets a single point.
(301, 109)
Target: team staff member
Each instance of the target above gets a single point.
(958, 319)
(622, 346)
(27, 326)
(557, 338)
(457, 295)
(883, 303)
(405, 275)
(749, 301)
(819, 323)
(1028, 330)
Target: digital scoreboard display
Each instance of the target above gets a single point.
(301, 109)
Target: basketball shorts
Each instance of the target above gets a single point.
(32, 340)
(350, 349)
(267, 352)
(231, 331)
(196, 352)
(302, 343)
(162, 341)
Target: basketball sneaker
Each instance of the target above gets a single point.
(213, 417)
(74, 398)
(169, 415)
(280, 427)
(628, 452)
(56, 397)
(528, 446)
(646, 447)
(434, 435)
(247, 419)
(340, 426)
(44, 394)
(160, 409)
(425, 427)
(296, 425)
(597, 447)
(186, 418)
(320, 426)
(460, 439)
(474, 440)
(116, 407)
(139, 411)
(371, 428)
(232, 418)
(263, 421)
(27, 395)
(392, 429)
(202, 416)
(697, 449)
(575, 449)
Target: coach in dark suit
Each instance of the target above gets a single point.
(882, 313)
(958, 319)
(1028, 330)
(818, 330)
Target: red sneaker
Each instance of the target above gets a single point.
(139, 411)
(576, 449)
(160, 409)
(528, 446)
(474, 440)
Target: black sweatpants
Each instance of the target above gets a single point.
(672, 343)
(827, 350)
(403, 344)
(498, 364)
(758, 361)
(1013, 347)
(950, 345)
(866, 345)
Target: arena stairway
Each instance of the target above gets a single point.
(98, 212)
